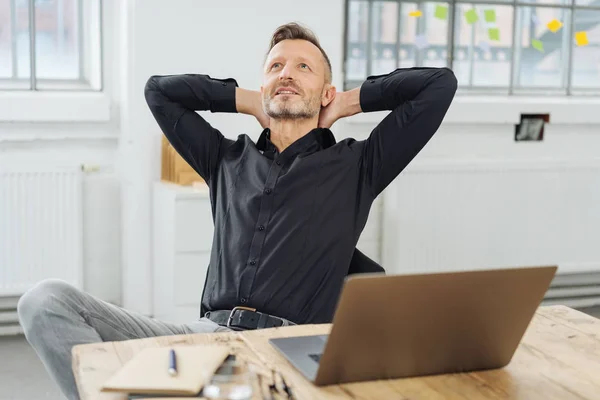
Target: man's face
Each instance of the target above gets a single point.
(294, 80)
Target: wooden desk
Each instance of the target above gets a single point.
(559, 358)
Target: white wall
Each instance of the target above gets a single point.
(540, 207)
(91, 144)
(228, 38)
(101, 231)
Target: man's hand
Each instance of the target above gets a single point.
(343, 105)
(250, 102)
(331, 113)
(259, 114)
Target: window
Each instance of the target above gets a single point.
(50, 45)
(499, 46)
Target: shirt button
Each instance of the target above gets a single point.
(252, 262)
(261, 228)
(244, 300)
(224, 83)
(278, 162)
(268, 191)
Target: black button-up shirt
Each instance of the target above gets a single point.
(286, 224)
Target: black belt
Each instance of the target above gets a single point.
(245, 318)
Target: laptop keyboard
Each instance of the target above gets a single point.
(316, 357)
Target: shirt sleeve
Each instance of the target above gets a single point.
(174, 100)
(418, 99)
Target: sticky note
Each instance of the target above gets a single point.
(581, 39)
(490, 15)
(538, 45)
(554, 25)
(471, 16)
(494, 34)
(421, 41)
(416, 13)
(441, 12)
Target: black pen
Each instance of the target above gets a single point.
(172, 363)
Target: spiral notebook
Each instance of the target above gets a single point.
(146, 374)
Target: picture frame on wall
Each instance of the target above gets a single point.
(531, 127)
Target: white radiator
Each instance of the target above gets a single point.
(448, 216)
(40, 232)
(40, 226)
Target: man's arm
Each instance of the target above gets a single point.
(174, 100)
(418, 99)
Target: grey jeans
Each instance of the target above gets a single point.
(56, 316)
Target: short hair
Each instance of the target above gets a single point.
(293, 30)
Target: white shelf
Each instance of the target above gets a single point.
(182, 240)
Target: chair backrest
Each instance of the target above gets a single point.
(361, 264)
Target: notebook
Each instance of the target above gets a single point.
(147, 372)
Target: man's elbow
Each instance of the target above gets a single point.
(449, 80)
(444, 88)
(151, 85)
(152, 89)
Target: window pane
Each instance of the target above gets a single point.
(424, 39)
(407, 34)
(586, 59)
(14, 45)
(6, 63)
(57, 39)
(384, 33)
(483, 49)
(356, 65)
(542, 57)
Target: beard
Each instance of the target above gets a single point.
(287, 108)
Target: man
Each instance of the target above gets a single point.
(288, 211)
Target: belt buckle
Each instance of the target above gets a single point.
(236, 309)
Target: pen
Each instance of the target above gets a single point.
(172, 363)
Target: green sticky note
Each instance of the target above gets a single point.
(441, 12)
(490, 15)
(538, 45)
(471, 16)
(494, 34)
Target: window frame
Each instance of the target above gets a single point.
(512, 90)
(57, 105)
(93, 82)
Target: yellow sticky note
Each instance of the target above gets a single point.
(581, 39)
(417, 13)
(554, 25)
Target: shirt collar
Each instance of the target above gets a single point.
(322, 137)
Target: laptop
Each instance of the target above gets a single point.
(396, 326)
